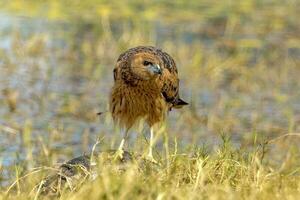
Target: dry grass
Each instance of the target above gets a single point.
(224, 173)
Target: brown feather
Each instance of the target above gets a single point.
(136, 94)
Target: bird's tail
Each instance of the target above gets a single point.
(179, 103)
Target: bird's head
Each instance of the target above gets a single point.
(146, 65)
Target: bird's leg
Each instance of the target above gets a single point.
(150, 155)
(151, 142)
(120, 151)
(121, 144)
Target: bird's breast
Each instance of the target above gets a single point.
(129, 104)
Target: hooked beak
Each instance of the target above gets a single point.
(155, 69)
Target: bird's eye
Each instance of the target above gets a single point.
(147, 63)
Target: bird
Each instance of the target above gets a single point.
(146, 87)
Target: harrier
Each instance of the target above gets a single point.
(146, 87)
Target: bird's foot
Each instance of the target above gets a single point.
(118, 155)
(150, 158)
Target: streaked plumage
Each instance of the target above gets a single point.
(146, 86)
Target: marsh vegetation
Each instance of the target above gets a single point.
(239, 66)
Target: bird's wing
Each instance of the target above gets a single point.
(122, 69)
(170, 81)
(115, 74)
(122, 62)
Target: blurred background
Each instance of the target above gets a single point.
(239, 66)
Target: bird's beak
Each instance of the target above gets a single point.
(155, 69)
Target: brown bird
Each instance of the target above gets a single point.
(146, 87)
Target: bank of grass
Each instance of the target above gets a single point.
(226, 172)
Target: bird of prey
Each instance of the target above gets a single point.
(145, 87)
